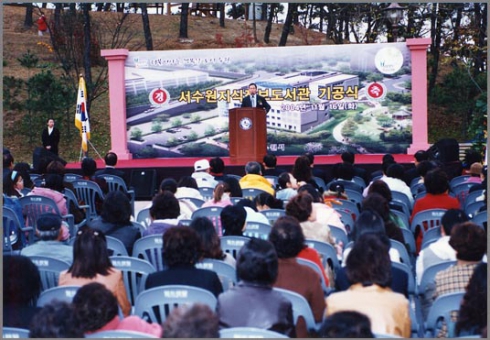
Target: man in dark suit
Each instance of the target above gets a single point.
(51, 137)
(254, 100)
(110, 167)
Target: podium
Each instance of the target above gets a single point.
(248, 135)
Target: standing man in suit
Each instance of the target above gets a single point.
(254, 100)
(110, 167)
(51, 137)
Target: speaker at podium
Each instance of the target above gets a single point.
(248, 134)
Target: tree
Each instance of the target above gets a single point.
(292, 7)
(28, 18)
(183, 20)
(87, 62)
(268, 27)
(146, 27)
(221, 7)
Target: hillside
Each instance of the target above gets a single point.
(204, 32)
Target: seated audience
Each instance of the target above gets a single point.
(115, 220)
(350, 157)
(98, 311)
(254, 179)
(164, 213)
(440, 250)
(253, 302)
(287, 238)
(303, 172)
(89, 167)
(56, 320)
(187, 187)
(288, 186)
(475, 173)
(181, 251)
(378, 203)
(472, 317)
(470, 243)
(50, 236)
(110, 160)
(369, 222)
(233, 219)
(21, 288)
(301, 207)
(437, 197)
(412, 173)
(252, 215)
(380, 187)
(368, 268)
(202, 174)
(25, 169)
(217, 168)
(91, 263)
(221, 196)
(210, 241)
(347, 324)
(234, 186)
(191, 321)
(187, 207)
(13, 183)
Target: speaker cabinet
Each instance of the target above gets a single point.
(445, 150)
(144, 183)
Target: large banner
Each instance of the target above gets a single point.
(324, 99)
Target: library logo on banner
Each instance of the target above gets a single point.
(376, 91)
(388, 60)
(159, 97)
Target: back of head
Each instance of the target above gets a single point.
(377, 203)
(110, 159)
(191, 321)
(253, 168)
(116, 208)
(421, 155)
(452, 217)
(283, 179)
(187, 182)
(270, 160)
(21, 281)
(48, 226)
(169, 184)
(164, 206)
(380, 187)
(348, 157)
(266, 199)
(257, 262)
(476, 169)
(54, 182)
(469, 240)
(287, 237)
(96, 306)
(233, 220)
(436, 182)
(300, 206)
(56, 320)
(88, 166)
(386, 165)
(24, 169)
(425, 166)
(311, 157)
(56, 167)
(217, 166)
(369, 262)
(396, 171)
(388, 157)
(210, 242)
(347, 324)
(234, 186)
(310, 189)
(181, 246)
(90, 254)
(472, 156)
(302, 169)
(369, 222)
(345, 171)
(8, 160)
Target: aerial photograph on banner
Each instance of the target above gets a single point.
(324, 99)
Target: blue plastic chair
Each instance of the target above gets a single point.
(481, 219)
(119, 334)
(154, 304)
(442, 308)
(429, 274)
(273, 214)
(427, 219)
(50, 269)
(327, 252)
(339, 235)
(60, 293)
(233, 244)
(14, 231)
(249, 332)
(116, 183)
(143, 217)
(88, 191)
(326, 289)
(458, 180)
(250, 193)
(213, 214)
(149, 248)
(225, 271)
(17, 333)
(300, 308)
(135, 272)
(257, 229)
